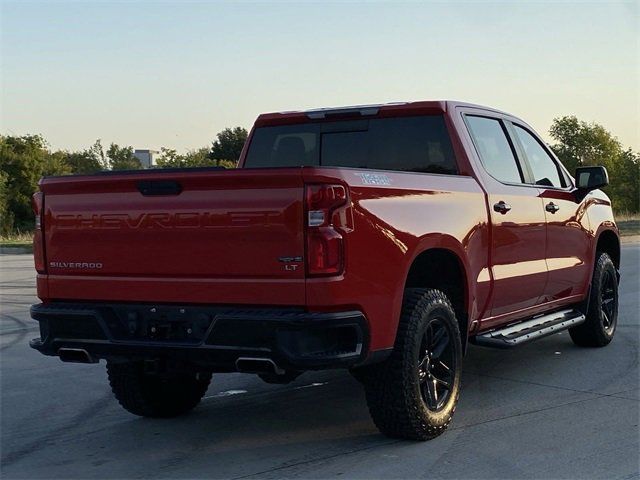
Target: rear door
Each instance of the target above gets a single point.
(568, 238)
(518, 238)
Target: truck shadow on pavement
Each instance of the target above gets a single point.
(245, 427)
(324, 414)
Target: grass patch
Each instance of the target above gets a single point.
(628, 223)
(629, 227)
(17, 240)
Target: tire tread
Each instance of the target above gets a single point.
(151, 397)
(590, 333)
(391, 397)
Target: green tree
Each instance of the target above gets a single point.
(6, 216)
(89, 160)
(170, 158)
(227, 164)
(228, 145)
(626, 185)
(579, 143)
(24, 160)
(56, 164)
(198, 158)
(122, 158)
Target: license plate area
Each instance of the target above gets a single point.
(166, 324)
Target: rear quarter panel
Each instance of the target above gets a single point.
(394, 218)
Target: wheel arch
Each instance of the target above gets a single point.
(443, 268)
(608, 241)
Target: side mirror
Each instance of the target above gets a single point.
(591, 178)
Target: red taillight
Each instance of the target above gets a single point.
(38, 236)
(325, 250)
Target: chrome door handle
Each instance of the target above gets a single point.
(552, 207)
(501, 207)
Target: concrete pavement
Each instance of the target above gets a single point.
(544, 410)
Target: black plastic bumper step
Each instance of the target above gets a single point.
(529, 330)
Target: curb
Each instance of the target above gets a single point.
(15, 250)
(629, 239)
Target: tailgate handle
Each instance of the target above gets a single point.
(159, 187)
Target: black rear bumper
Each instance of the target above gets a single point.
(211, 337)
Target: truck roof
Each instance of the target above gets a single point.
(378, 110)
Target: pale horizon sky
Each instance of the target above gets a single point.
(153, 74)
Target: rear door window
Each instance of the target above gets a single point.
(494, 149)
(415, 144)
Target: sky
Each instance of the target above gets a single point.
(174, 73)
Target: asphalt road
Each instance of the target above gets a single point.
(545, 410)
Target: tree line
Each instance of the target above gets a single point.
(25, 159)
(579, 143)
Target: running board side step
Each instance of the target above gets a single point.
(529, 330)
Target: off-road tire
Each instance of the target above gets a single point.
(149, 395)
(594, 332)
(392, 387)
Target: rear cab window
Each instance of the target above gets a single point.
(411, 144)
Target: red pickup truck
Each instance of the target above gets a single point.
(380, 238)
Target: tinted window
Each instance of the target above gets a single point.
(493, 147)
(417, 144)
(545, 171)
(286, 146)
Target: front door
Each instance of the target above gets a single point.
(518, 236)
(568, 242)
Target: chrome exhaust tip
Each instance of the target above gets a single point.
(258, 365)
(75, 355)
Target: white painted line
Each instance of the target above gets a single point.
(311, 385)
(228, 393)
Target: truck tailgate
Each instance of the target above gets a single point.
(176, 236)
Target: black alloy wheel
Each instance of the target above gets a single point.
(437, 365)
(608, 303)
